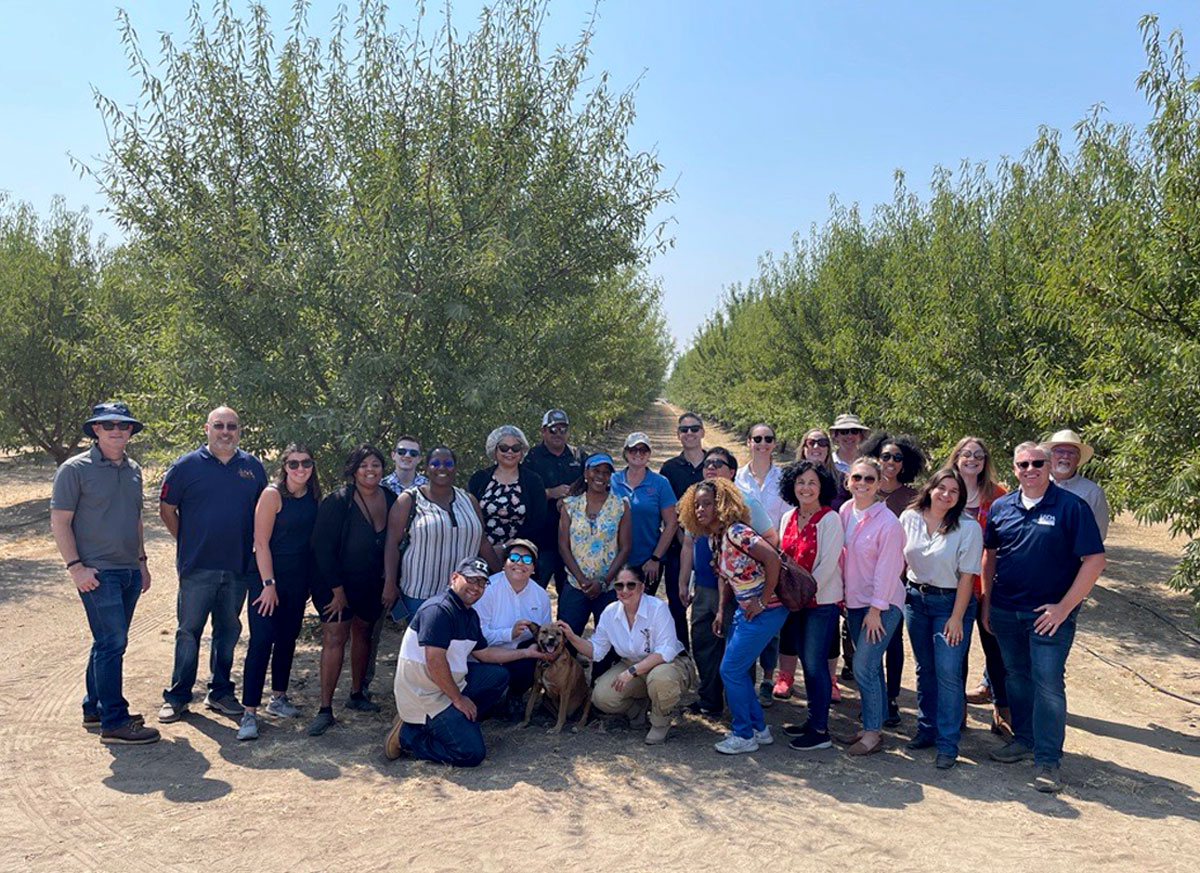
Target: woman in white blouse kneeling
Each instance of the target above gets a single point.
(654, 672)
(510, 612)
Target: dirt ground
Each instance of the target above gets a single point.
(599, 799)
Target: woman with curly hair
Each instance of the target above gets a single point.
(748, 568)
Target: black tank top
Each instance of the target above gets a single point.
(294, 525)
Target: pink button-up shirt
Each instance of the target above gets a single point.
(873, 557)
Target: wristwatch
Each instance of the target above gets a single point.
(633, 672)
(268, 583)
(656, 558)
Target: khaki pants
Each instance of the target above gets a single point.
(662, 687)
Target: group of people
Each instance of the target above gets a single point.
(948, 554)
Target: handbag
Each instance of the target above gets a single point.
(796, 588)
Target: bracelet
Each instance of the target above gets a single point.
(71, 564)
(656, 559)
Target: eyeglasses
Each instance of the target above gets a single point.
(975, 455)
(898, 457)
(446, 463)
(1065, 451)
(115, 425)
(296, 465)
(518, 558)
(407, 453)
(862, 477)
(819, 441)
(716, 462)
(557, 429)
(224, 425)
(513, 449)
(625, 586)
(763, 439)
(479, 581)
(1025, 465)
(691, 428)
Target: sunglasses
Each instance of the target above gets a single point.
(115, 425)
(222, 425)
(407, 453)
(638, 450)
(518, 558)
(296, 465)
(862, 477)
(819, 441)
(690, 428)
(1025, 465)
(716, 462)
(898, 457)
(976, 455)
(838, 433)
(513, 449)
(625, 586)
(763, 439)
(447, 463)
(557, 429)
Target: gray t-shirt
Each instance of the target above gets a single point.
(107, 501)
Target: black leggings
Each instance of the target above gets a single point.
(273, 637)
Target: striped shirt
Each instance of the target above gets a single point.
(437, 540)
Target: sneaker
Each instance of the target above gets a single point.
(1011, 752)
(782, 689)
(795, 730)
(323, 722)
(248, 730)
(91, 721)
(392, 747)
(893, 715)
(281, 707)
(946, 762)
(835, 692)
(765, 699)
(226, 704)
(656, 736)
(763, 737)
(810, 741)
(735, 745)
(919, 742)
(1048, 780)
(362, 703)
(132, 733)
(170, 712)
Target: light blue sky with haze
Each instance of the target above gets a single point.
(759, 111)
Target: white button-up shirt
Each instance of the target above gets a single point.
(767, 493)
(653, 631)
(501, 607)
(940, 558)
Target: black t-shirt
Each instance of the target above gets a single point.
(554, 470)
(682, 476)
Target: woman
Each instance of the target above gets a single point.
(283, 525)
(652, 504)
(510, 612)
(347, 542)
(442, 525)
(872, 560)
(812, 536)
(973, 462)
(944, 551)
(511, 497)
(900, 462)
(760, 477)
(595, 531)
(748, 568)
(653, 671)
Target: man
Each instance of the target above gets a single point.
(440, 696)
(1041, 556)
(1067, 454)
(847, 432)
(207, 503)
(96, 519)
(682, 471)
(406, 454)
(560, 467)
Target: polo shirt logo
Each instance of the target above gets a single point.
(1046, 519)
(246, 474)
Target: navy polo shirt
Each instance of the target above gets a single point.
(444, 621)
(561, 469)
(1039, 550)
(216, 509)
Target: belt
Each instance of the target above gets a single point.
(931, 589)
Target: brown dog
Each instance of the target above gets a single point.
(560, 679)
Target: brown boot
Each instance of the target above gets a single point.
(1002, 722)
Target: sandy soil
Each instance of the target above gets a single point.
(595, 800)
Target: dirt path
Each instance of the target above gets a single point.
(596, 799)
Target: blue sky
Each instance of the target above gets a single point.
(760, 112)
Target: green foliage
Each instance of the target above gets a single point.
(386, 232)
(1058, 290)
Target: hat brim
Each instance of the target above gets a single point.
(89, 429)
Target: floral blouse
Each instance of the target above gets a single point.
(594, 540)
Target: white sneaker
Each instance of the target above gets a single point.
(735, 745)
(763, 737)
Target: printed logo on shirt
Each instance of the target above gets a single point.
(646, 639)
(246, 474)
(1045, 519)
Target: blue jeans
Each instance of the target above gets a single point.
(109, 609)
(450, 737)
(219, 593)
(817, 628)
(743, 643)
(939, 666)
(1036, 680)
(868, 663)
(574, 606)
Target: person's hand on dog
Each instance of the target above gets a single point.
(523, 626)
(571, 636)
(467, 707)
